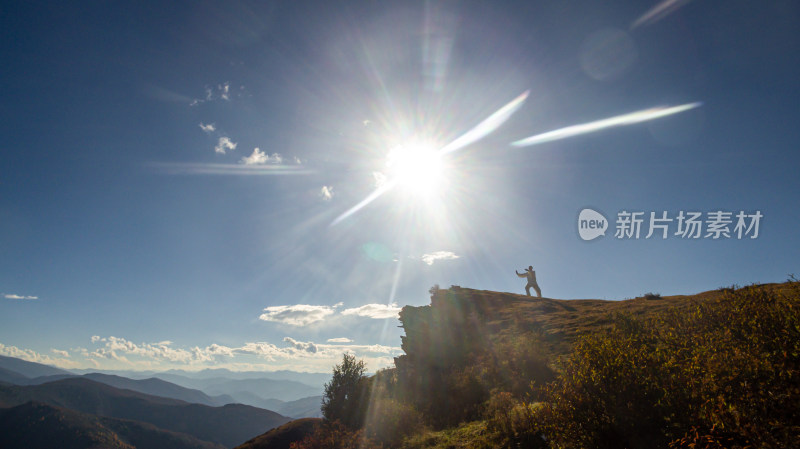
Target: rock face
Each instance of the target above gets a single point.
(445, 333)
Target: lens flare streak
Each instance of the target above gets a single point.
(180, 168)
(599, 125)
(658, 12)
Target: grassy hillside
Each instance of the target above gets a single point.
(486, 369)
(283, 436)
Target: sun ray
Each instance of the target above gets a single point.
(481, 130)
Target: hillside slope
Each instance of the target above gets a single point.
(283, 436)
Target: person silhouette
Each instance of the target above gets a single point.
(531, 275)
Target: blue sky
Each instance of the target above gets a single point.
(141, 229)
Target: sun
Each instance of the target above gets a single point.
(417, 168)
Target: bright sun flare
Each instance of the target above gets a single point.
(416, 168)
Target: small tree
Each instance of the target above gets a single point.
(345, 395)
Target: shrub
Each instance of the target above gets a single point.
(334, 435)
(389, 421)
(347, 393)
(723, 373)
(520, 366)
(514, 421)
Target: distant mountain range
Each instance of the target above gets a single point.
(312, 379)
(229, 425)
(286, 397)
(29, 369)
(48, 404)
(35, 425)
(246, 390)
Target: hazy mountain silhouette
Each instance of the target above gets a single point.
(158, 387)
(152, 386)
(30, 369)
(302, 408)
(35, 425)
(228, 425)
(12, 377)
(247, 391)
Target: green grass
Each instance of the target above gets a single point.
(472, 435)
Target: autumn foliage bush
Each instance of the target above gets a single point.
(721, 373)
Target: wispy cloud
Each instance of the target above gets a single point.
(658, 12)
(326, 193)
(224, 91)
(13, 296)
(297, 315)
(209, 128)
(60, 352)
(224, 144)
(438, 255)
(340, 340)
(221, 91)
(376, 311)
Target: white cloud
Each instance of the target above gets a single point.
(301, 346)
(216, 349)
(224, 144)
(119, 353)
(379, 178)
(326, 193)
(115, 348)
(224, 90)
(340, 340)
(296, 315)
(13, 296)
(265, 350)
(376, 311)
(259, 157)
(209, 128)
(438, 255)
